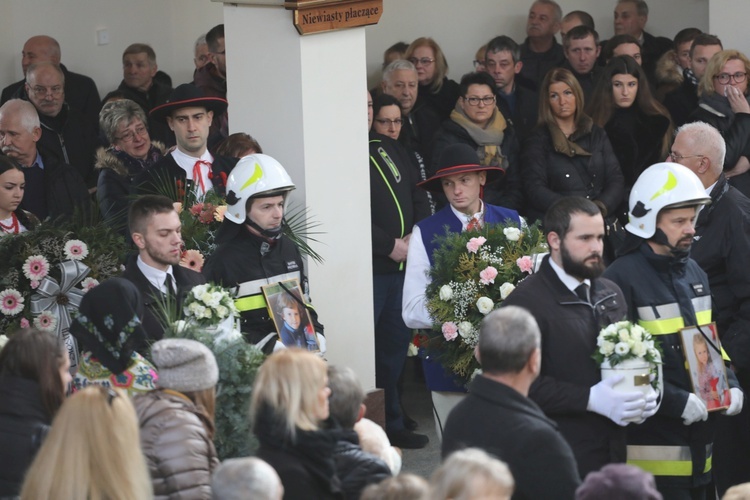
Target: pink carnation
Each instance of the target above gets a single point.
(25, 323)
(525, 264)
(450, 330)
(474, 244)
(488, 275)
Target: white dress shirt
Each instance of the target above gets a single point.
(155, 276)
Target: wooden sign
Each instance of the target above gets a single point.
(316, 16)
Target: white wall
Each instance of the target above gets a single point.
(728, 19)
(461, 27)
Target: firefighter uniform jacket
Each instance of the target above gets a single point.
(665, 294)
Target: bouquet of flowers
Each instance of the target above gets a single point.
(473, 272)
(207, 316)
(49, 269)
(200, 223)
(624, 341)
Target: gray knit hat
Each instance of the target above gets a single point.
(184, 365)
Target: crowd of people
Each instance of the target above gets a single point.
(568, 134)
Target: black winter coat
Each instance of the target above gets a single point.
(524, 113)
(722, 249)
(157, 95)
(550, 171)
(508, 191)
(64, 190)
(70, 139)
(569, 329)
(23, 426)
(681, 102)
(443, 101)
(355, 467)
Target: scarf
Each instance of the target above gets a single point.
(689, 75)
(567, 145)
(108, 323)
(135, 166)
(489, 138)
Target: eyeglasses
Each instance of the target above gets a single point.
(389, 122)
(725, 77)
(676, 158)
(41, 92)
(129, 136)
(486, 100)
(424, 61)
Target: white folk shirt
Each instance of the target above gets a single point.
(187, 163)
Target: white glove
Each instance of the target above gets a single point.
(650, 409)
(617, 406)
(737, 398)
(694, 411)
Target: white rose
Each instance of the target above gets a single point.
(465, 329)
(485, 305)
(622, 348)
(196, 309)
(607, 348)
(505, 289)
(512, 233)
(199, 290)
(638, 349)
(222, 311)
(446, 293)
(637, 333)
(623, 334)
(211, 299)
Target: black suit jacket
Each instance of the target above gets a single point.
(151, 296)
(499, 420)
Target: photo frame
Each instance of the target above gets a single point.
(286, 305)
(706, 366)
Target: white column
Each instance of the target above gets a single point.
(303, 99)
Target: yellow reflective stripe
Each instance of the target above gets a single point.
(663, 326)
(707, 468)
(665, 467)
(725, 356)
(250, 303)
(703, 317)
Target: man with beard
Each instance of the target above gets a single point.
(572, 303)
(155, 228)
(665, 292)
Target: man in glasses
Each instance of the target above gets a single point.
(722, 249)
(66, 134)
(478, 122)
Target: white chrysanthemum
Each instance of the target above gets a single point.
(446, 293)
(505, 290)
(485, 305)
(622, 348)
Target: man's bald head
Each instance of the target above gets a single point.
(40, 48)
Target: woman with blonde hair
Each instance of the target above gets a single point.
(91, 452)
(177, 420)
(568, 154)
(472, 473)
(435, 89)
(289, 410)
(723, 104)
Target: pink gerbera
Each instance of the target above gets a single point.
(36, 267)
(76, 250)
(89, 283)
(192, 259)
(47, 322)
(11, 302)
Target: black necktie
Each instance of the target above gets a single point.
(582, 291)
(169, 285)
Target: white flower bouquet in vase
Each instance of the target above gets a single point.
(626, 349)
(212, 308)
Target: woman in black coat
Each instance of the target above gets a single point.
(435, 89)
(637, 125)
(567, 154)
(290, 415)
(724, 105)
(33, 380)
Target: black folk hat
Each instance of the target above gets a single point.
(459, 159)
(185, 96)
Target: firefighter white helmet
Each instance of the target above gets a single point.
(662, 186)
(255, 175)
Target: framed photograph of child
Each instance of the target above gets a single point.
(286, 305)
(705, 365)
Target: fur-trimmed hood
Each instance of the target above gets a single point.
(106, 160)
(667, 69)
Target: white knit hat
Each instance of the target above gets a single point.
(184, 365)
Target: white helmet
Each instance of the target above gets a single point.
(660, 186)
(254, 175)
